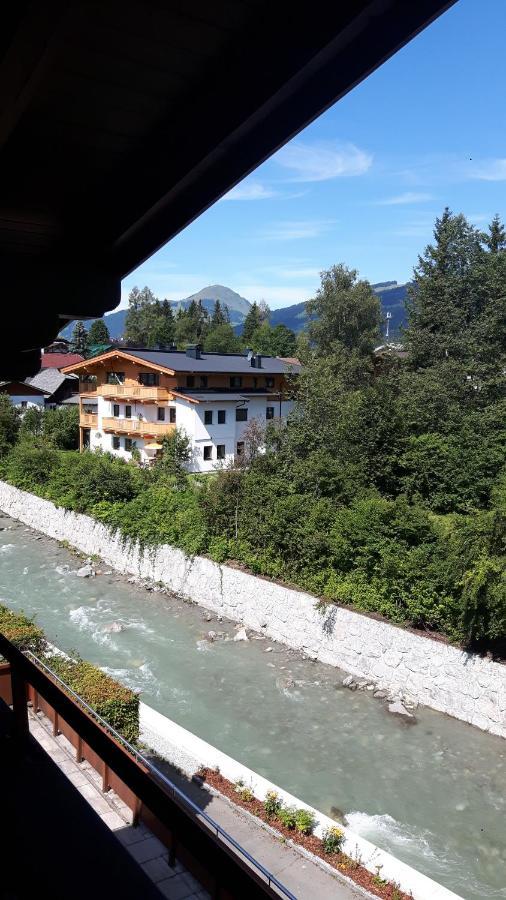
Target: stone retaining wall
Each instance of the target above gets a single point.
(435, 674)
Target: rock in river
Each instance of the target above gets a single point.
(86, 571)
(241, 635)
(398, 709)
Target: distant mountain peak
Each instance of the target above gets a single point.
(238, 307)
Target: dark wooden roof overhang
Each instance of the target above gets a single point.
(121, 121)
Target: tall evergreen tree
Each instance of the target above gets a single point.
(446, 296)
(98, 333)
(79, 341)
(162, 326)
(220, 315)
(140, 316)
(252, 321)
(491, 336)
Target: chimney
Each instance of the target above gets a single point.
(255, 360)
(194, 351)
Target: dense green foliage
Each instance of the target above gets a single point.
(79, 342)
(118, 705)
(98, 333)
(9, 424)
(386, 488)
(21, 631)
(59, 427)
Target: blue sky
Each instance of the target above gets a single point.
(363, 184)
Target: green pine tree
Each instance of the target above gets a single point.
(252, 321)
(140, 316)
(79, 341)
(220, 315)
(446, 296)
(98, 333)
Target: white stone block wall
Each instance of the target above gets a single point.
(438, 675)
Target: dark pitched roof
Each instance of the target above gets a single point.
(50, 380)
(212, 362)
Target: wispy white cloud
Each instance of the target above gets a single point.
(405, 199)
(297, 230)
(250, 190)
(323, 160)
(489, 170)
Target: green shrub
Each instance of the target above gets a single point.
(287, 815)
(305, 821)
(21, 631)
(333, 839)
(80, 480)
(117, 704)
(9, 424)
(272, 804)
(29, 466)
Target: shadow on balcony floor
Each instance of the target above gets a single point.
(53, 844)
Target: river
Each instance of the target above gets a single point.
(433, 794)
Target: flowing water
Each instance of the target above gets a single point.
(434, 793)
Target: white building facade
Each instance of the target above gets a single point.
(131, 399)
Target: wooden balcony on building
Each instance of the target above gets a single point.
(136, 392)
(88, 387)
(135, 427)
(88, 420)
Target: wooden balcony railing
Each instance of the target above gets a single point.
(136, 427)
(219, 862)
(87, 387)
(133, 392)
(88, 420)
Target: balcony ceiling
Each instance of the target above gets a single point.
(120, 122)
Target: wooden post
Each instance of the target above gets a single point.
(19, 705)
(105, 779)
(136, 812)
(79, 749)
(35, 702)
(55, 724)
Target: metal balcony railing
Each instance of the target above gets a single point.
(229, 869)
